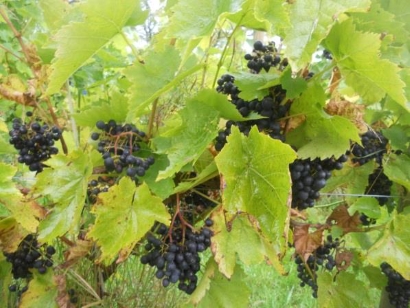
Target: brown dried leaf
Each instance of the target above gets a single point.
(305, 242)
(76, 252)
(63, 299)
(296, 213)
(351, 111)
(343, 259)
(335, 80)
(342, 219)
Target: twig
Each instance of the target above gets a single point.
(152, 118)
(55, 120)
(11, 52)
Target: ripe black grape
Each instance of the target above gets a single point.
(120, 146)
(175, 253)
(397, 287)
(320, 258)
(35, 143)
(374, 147)
(309, 177)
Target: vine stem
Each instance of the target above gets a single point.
(221, 59)
(11, 52)
(55, 120)
(70, 104)
(133, 49)
(18, 36)
(152, 117)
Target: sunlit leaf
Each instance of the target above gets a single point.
(256, 172)
(42, 292)
(124, 215)
(79, 41)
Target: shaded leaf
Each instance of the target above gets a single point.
(393, 246)
(65, 182)
(346, 291)
(125, 215)
(257, 180)
(397, 169)
(79, 41)
(185, 144)
(11, 234)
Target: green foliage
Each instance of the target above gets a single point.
(123, 218)
(79, 41)
(257, 181)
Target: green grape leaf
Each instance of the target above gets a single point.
(253, 86)
(368, 206)
(393, 246)
(42, 292)
(116, 109)
(220, 103)
(150, 77)
(257, 180)
(206, 174)
(7, 187)
(53, 12)
(193, 19)
(123, 216)
(79, 41)
(357, 57)
(293, 86)
(5, 281)
(243, 242)
(346, 291)
(65, 182)
(399, 136)
(213, 288)
(5, 146)
(314, 19)
(184, 144)
(353, 179)
(322, 136)
(397, 169)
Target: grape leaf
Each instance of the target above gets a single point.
(184, 144)
(397, 169)
(368, 206)
(216, 287)
(256, 173)
(123, 216)
(193, 19)
(42, 292)
(5, 146)
(393, 247)
(116, 109)
(150, 77)
(242, 242)
(357, 57)
(346, 291)
(65, 182)
(53, 12)
(252, 86)
(11, 234)
(220, 103)
(293, 86)
(314, 19)
(323, 136)
(79, 41)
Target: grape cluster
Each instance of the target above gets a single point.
(119, 144)
(272, 107)
(397, 287)
(29, 255)
(374, 147)
(379, 184)
(34, 141)
(263, 57)
(102, 184)
(327, 55)
(309, 177)
(175, 253)
(321, 258)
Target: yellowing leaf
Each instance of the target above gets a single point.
(42, 292)
(357, 56)
(243, 241)
(79, 41)
(65, 182)
(125, 215)
(256, 172)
